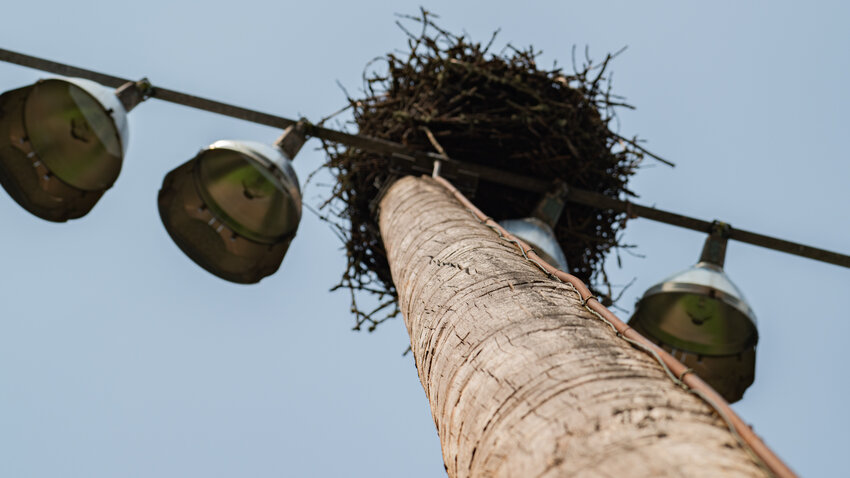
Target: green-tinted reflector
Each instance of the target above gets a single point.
(233, 209)
(246, 195)
(701, 317)
(74, 134)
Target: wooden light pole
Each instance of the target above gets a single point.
(522, 380)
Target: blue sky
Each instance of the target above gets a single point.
(120, 357)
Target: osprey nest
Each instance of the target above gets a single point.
(500, 110)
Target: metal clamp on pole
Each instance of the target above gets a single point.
(132, 93)
(465, 179)
(437, 166)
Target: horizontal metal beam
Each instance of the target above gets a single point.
(391, 148)
(789, 247)
(593, 199)
(59, 68)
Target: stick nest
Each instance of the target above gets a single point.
(501, 110)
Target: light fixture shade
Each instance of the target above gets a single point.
(233, 209)
(540, 237)
(702, 318)
(62, 143)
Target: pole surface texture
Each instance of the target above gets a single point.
(522, 380)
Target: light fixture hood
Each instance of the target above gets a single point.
(699, 310)
(540, 237)
(62, 144)
(703, 319)
(234, 208)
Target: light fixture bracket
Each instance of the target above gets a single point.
(551, 205)
(133, 93)
(464, 179)
(714, 250)
(292, 139)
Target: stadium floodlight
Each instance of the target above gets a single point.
(702, 318)
(235, 207)
(62, 143)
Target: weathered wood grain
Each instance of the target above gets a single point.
(522, 380)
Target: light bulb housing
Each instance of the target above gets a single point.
(540, 237)
(62, 144)
(702, 319)
(233, 209)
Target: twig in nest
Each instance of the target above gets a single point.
(434, 142)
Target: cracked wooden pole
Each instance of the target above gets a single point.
(522, 380)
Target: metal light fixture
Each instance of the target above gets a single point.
(235, 207)
(537, 230)
(702, 318)
(540, 237)
(62, 143)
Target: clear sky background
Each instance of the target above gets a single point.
(120, 357)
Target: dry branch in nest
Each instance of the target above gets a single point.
(450, 95)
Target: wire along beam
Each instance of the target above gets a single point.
(421, 158)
